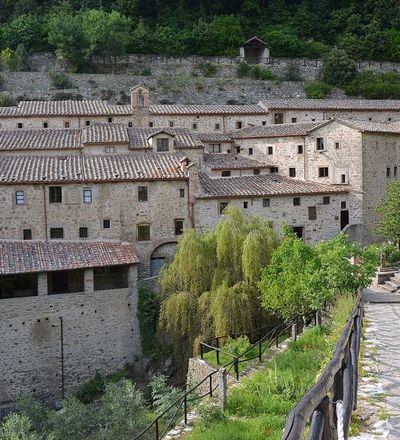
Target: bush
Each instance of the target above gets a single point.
(164, 396)
(147, 314)
(242, 70)
(292, 73)
(209, 413)
(60, 80)
(5, 100)
(1, 80)
(267, 74)
(375, 85)
(146, 71)
(255, 72)
(237, 346)
(17, 427)
(208, 69)
(338, 68)
(11, 59)
(316, 89)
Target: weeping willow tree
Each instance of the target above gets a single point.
(210, 287)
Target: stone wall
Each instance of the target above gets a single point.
(100, 333)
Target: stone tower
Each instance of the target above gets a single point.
(140, 103)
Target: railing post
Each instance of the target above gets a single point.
(185, 408)
(347, 397)
(259, 351)
(211, 389)
(222, 387)
(236, 364)
(294, 331)
(277, 339)
(157, 430)
(201, 350)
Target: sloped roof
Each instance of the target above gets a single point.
(261, 185)
(215, 137)
(105, 133)
(179, 109)
(277, 130)
(368, 126)
(138, 137)
(221, 161)
(24, 256)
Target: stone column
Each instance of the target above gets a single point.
(42, 284)
(88, 280)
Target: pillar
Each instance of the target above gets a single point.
(42, 286)
(88, 280)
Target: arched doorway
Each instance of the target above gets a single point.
(162, 254)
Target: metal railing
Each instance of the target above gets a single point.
(328, 405)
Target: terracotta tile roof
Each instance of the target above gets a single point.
(90, 168)
(277, 130)
(105, 134)
(40, 139)
(374, 127)
(65, 108)
(260, 186)
(138, 137)
(214, 137)
(332, 104)
(178, 109)
(45, 256)
(222, 161)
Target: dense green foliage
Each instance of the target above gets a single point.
(75, 30)
(389, 209)
(316, 89)
(258, 407)
(147, 313)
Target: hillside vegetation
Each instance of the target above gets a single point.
(75, 30)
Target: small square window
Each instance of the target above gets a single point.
(87, 196)
(171, 123)
(226, 173)
(151, 124)
(245, 205)
(274, 170)
(250, 151)
(343, 180)
(130, 124)
(142, 193)
(162, 144)
(109, 120)
(237, 150)
(222, 206)
(106, 224)
(110, 149)
(292, 172)
(388, 172)
(45, 125)
(215, 148)
(27, 234)
(264, 122)
(326, 200)
(270, 150)
(143, 232)
(337, 145)
(323, 172)
(389, 119)
(320, 144)
(343, 205)
(299, 149)
(56, 233)
(178, 227)
(55, 194)
(182, 192)
(20, 125)
(278, 118)
(312, 213)
(294, 120)
(217, 126)
(266, 203)
(83, 232)
(66, 124)
(296, 201)
(256, 171)
(20, 197)
(239, 125)
(87, 123)
(194, 126)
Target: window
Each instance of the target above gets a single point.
(194, 126)
(56, 233)
(162, 144)
(323, 172)
(130, 124)
(182, 192)
(109, 120)
(388, 172)
(55, 194)
(298, 230)
(292, 172)
(171, 123)
(294, 120)
(143, 232)
(222, 206)
(270, 150)
(239, 124)
(266, 203)
(312, 213)
(87, 196)
(394, 171)
(217, 126)
(27, 234)
(389, 119)
(326, 200)
(226, 173)
(106, 223)
(87, 123)
(343, 180)
(264, 122)
(237, 150)
(20, 125)
(110, 149)
(337, 145)
(245, 205)
(343, 205)
(278, 118)
(66, 124)
(142, 193)
(250, 151)
(299, 149)
(45, 125)
(20, 197)
(178, 227)
(256, 171)
(83, 232)
(296, 201)
(320, 144)
(151, 124)
(215, 148)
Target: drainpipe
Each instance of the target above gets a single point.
(62, 357)
(305, 159)
(45, 212)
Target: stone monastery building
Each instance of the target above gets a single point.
(95, 196)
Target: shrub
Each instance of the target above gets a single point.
(209, 413)
(237, 346)
(255, 72)
(29, 407)
(267, 74)
(60, 80)
(242, 70)
(17, 427)
(208, 69)
(5, 100)
(199, 83)
(292, 73)
(338, 68)
(375, 85)
(146, 71)
(1, 80)
(164, 395)
(147, 314)
(11, 59)
(316, 89)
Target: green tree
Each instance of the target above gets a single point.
(338, 68)
(389, 209)
(11, 59)
(17, 427)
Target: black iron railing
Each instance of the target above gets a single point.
(328, 405)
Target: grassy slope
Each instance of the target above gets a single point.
(258, 407)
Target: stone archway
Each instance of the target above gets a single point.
(162, 254)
